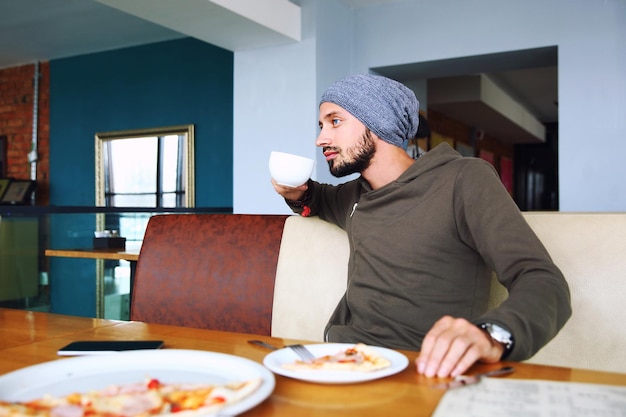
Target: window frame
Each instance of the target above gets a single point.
(186, 131)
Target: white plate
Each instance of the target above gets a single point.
(85, 373)
(275, 361)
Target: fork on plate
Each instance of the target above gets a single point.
(304, 353)
(298, 348)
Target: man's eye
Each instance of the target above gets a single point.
(335, 122)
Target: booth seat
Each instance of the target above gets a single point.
(588, 247)
(283, 275)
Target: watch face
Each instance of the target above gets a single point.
(499, 337)
(499, 334)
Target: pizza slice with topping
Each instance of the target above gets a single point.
(360, 357)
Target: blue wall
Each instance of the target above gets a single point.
(169, 83)
(163, 84)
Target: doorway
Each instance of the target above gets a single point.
(524, 78)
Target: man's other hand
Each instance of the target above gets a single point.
(452, 345)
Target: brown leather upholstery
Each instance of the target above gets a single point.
(213, 271)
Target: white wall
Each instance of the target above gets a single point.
(276, 98)
(591, 39)
(274, 109)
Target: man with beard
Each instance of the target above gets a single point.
(425, 236)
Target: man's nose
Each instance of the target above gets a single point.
(322, 139)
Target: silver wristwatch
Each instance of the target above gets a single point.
(500, 335)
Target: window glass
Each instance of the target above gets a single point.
(171, 165)
(133, 166)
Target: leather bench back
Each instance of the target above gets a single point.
(213, 271)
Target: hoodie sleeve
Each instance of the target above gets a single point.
(332, 203)
(489, 220)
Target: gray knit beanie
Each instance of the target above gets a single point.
(387, 107)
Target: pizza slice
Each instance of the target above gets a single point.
(145, 399)
(360, 357)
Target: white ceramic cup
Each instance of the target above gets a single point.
(290, 170)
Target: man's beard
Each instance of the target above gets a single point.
(356, 158)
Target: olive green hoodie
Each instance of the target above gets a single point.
(425, 246)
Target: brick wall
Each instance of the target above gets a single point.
(16, 122)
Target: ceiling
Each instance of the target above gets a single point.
(42, 30)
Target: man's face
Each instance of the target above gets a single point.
(347, 144)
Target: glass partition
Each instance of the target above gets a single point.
(43, 265)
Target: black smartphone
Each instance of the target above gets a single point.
(101, 347)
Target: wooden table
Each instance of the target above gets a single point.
(28, 338)
(128, 254)
(112, 254)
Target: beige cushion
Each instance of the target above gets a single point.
(310, 277)
(590, 249)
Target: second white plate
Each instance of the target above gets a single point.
(275, 361)
(85, 373)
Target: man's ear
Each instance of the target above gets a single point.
(377, 139)
(379, 143)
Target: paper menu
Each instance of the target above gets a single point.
(500, 397)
